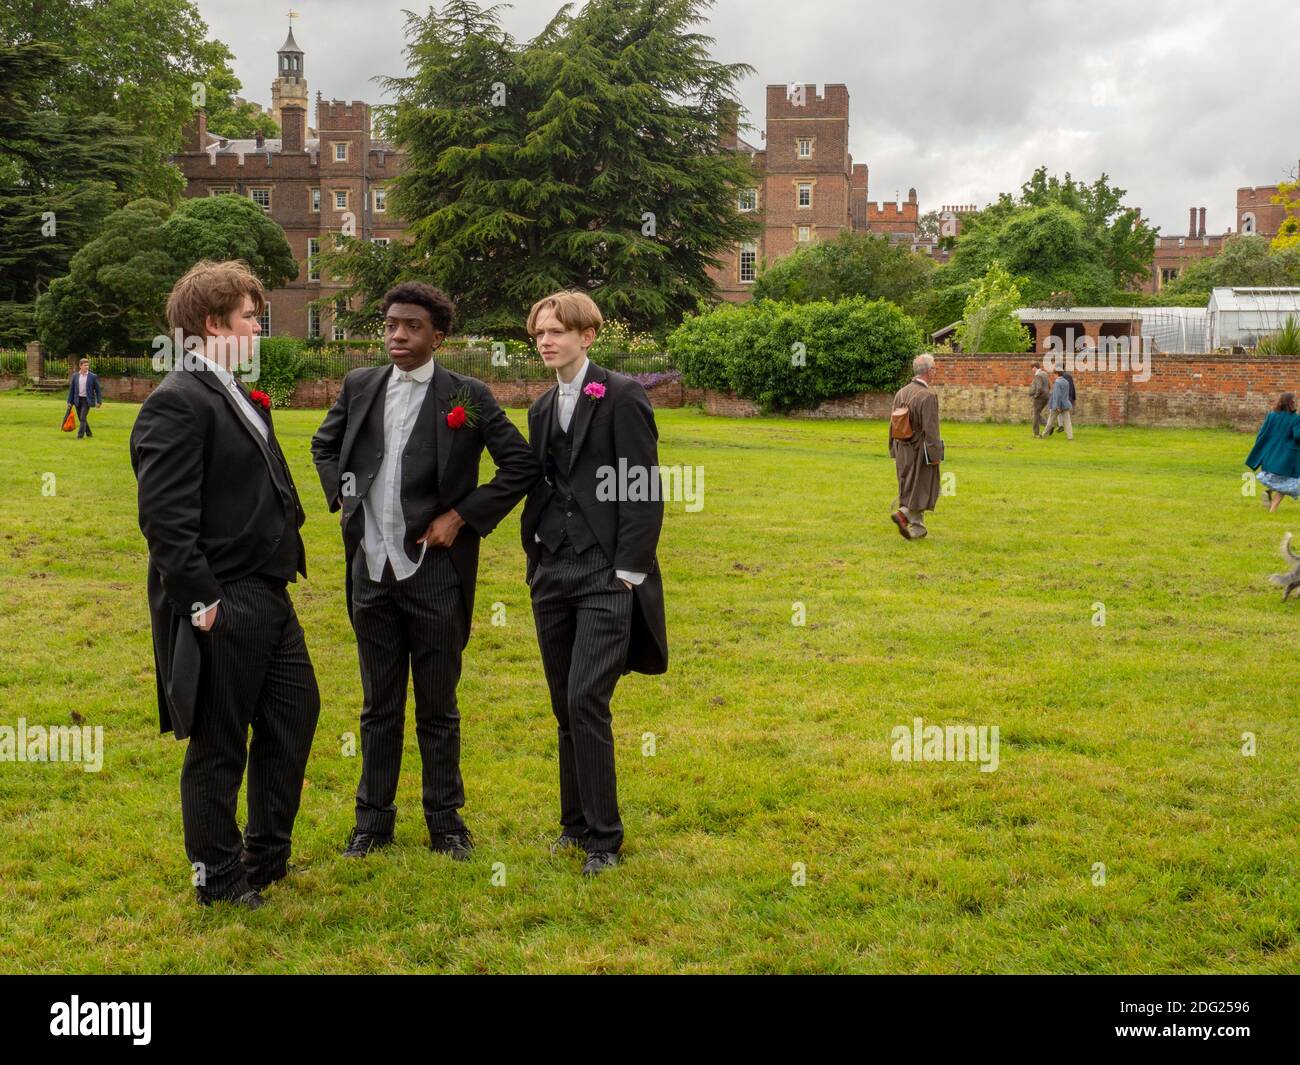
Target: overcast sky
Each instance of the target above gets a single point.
(1179, 101)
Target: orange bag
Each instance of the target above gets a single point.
(70, 422)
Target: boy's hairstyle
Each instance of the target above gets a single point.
(442, 311)
(575, 310)
(83, 359)
(212, 289)
(1286, 402)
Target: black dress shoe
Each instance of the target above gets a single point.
(566, 841)
(362, 843)
(598, 861)
(248, 900)
(459, 845)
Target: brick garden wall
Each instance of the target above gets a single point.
(1182, 391)
(1187, 391)
(320, 394)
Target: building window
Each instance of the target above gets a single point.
(805, 195)
(748, 200)
(315, 200)
(805, 147)
(1248, 222)
(381, 200)
(381, 242)
(261, 197)
(220, 190)
(340, 199)
(264, 319)
(313, 250)
(340, 151)
(339, 332)
(805, 233)
(313, 322)
(748, 262)
(1167, 274)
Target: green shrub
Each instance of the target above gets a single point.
(280, 364)
(785, 356)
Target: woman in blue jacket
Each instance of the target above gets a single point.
(1276, 454)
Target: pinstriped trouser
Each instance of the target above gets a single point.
(255, 671)
(416, 625)
(584, 620)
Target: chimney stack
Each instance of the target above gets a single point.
(1202, 230)
(293, 125)
(1191, 221)
(261, 142)
(195, 137)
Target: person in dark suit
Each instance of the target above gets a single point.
(598, 598)
(83, 390)
(398, 454)
(221, 515)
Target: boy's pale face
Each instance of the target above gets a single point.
(562, 349)
(242, 324)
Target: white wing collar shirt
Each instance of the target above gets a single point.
(385, 522)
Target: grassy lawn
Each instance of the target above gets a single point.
(1121, 744)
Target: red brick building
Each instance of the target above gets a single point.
(315, 182)
(807, 187)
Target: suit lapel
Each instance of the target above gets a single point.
(210, 379)
(539, 422)
(584, 409)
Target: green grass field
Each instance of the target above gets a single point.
(1121, 744)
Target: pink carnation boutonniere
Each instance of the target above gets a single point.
(258, 396)
(594, 391)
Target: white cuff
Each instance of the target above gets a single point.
(629, 576)
(202, 616)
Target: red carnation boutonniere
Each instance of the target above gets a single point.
(464, 411)
(594, 391)
(258, 396)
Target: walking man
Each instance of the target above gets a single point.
(1038, 393)
(917, 448)
(83, 390)
(1059, 406)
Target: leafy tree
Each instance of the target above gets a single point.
(1288, 234)
(854, 264)
(226, 117)
(116, 290)
(1245, 260)
(1057, 235)
(989, 323)
(587, 158)
(138, 61)
(60, 177)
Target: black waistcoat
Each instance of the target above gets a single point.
(561, 517)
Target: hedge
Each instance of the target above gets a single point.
(786, 355)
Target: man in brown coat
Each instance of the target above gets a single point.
(917, 457)
(1038, 392)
